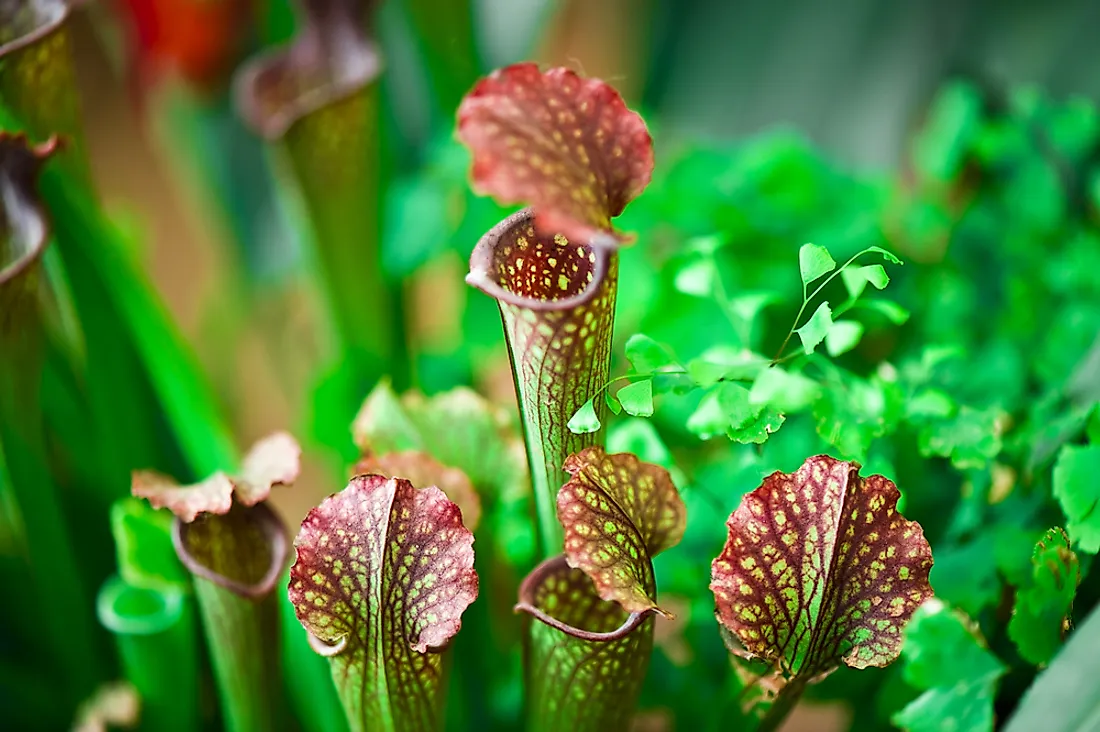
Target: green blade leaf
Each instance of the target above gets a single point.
(618, 513)
(889, 309)
(1040, 618)
(486, 448)
(820, 569)
(945, 655)
(843, 336)
(647, 356)
(816, 328)
(637, 398)
(757, 430)
(887, 255)
(1078, 491)
(813, 262)
(383, 575)
(585, 420)
(577, 682)
(784, 390)
(856, 279)
(143, 542)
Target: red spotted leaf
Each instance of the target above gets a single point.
(274, 460)
(820, 569)
(383, 574)
(213, 495)
(618, 513)
(422, 470)
(566, 145)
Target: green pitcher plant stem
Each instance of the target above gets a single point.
(593, 607)
(570, 148)
(472, 450)
(152, 624)
(557, 303)
(383, 574)
(40, 532)
(318, 100)
(236, 548)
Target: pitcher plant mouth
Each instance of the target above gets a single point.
(23, 24)
(259, 534)
(332, 59)
(24, 227)
(534, 592)
(24, 224)
(518, 264)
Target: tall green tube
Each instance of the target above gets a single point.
(154, 628)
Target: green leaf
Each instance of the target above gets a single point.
(706, 373)
(709, 419)
(813, 262)
(746, 306)
(486, 448)
(1040, 618)
(887, 255)
(143, 541)
(970, 439)
(637, 398)
(612, 403)
(856, 279)
(383, 574)
(647, 356)
(618, 513)
(889, 309)
(1065, 697)
(784, 390)
(816, 328)
(843, 336)
(584, 420)
(758, 429)
(726, 407)
(853, 411)
(697, 278)
(819, 569)
(1078, 491)
(945, 656)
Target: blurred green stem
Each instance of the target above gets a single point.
(155, 632)
(237, 559)
(334, 153)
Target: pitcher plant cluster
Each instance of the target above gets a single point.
(455, 510)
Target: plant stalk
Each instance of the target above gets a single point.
(557, 304)
(154, 629)
(236, 560)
